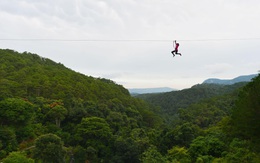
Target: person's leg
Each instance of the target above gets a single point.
(173, 53)
(176, 52)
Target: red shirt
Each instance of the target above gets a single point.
(177, 46)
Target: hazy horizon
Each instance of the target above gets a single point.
(130, 42)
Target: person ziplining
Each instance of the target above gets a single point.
(175, 51)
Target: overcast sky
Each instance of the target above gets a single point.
(129, 41)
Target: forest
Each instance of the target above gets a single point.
(52, 114)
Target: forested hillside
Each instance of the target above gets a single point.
(39, 96)
(170, 102)
(24, 75)
(50, 113)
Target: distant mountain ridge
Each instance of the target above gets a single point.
(243, 78)
(150, 90)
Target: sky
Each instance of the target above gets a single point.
(130, 41)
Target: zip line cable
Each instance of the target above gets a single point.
(125, 40)
(224, 39)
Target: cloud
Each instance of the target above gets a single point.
(218, 68)
(138, 63)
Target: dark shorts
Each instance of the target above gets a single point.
(175, 51)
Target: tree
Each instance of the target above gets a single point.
(8, 141)
(115, 119)
(198, 147)
(126, 150)
(246, 113)
(179, 154)
(17, 157)
(15, 112)
(49, 149)
(58, 112)
(95, 132)
(239, 152)
(185, 133)
(151, 155)
(79, 154)
(206, 147)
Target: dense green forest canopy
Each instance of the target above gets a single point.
(170, 102)
(27, 74)
(50, 113)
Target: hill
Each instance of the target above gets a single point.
(39, 96)
(170, 102)
(27, 74)
(136, 91)
(47, 108)
(244, 78)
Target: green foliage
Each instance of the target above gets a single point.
(198, 147)
(17, 157)
(181, 135)
(79, 154)
(93, 128)
(98, 121)
(8, 142)
(15, 112)
(170, 102)
(185, 133)
(206, 146)
(95, 132)
(203, 114)
(178, 154)
(246, 113)
(26, 74)
(239, 152)
(49, 149)
(151, 155)
(126, 150)
(57, 112)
